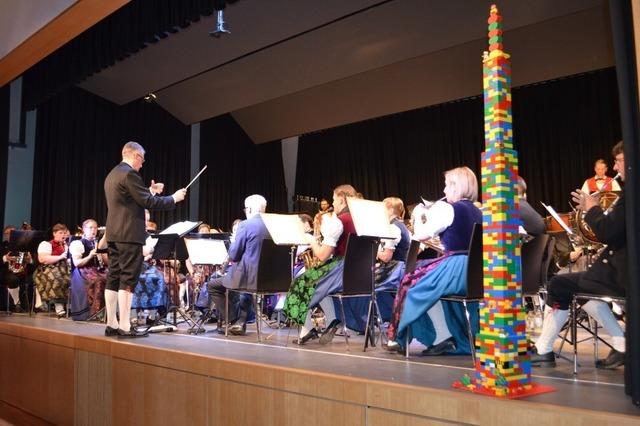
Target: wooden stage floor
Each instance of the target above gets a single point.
(591, 393)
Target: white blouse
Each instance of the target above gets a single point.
(439, 217)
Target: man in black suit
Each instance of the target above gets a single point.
(127, 198)
(607, 276)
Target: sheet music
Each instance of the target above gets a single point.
(370, 218)
(181, 228)
(205, 251)
(285, 229)
(555, 215)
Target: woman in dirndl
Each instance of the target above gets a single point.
(52, 274)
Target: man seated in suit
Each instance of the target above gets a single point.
(531, 220)
(607, 276)
(244, 255)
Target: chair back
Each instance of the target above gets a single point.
(359, 262)
(534, 264)
(475, 282)
(412, 257)
(274, 268)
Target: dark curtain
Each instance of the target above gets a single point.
(4, 145)
(560, 128)
(236, 169)
(79, 138)
(623, 36)
(126, 31)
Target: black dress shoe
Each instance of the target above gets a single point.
(614, 360)
(238, 329)
(131, 334)
(313, 334)
(110, 331)
(18, 309)
(331, 331)
(542, 360)
(447, 345)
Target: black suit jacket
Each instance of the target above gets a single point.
(127, 197)
(611, 267)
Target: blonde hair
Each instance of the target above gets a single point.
(395, 204)
(465, 183)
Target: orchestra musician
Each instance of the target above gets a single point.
(52, 274)
(127, 197)
(607, 276)
(312, 288)
(419, 293)
(532, 222)
(600, 182)
(244, 253)
(16, 271)
(89, 274)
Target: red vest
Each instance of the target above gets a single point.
(591, 183)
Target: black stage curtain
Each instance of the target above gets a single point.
(560, 128)
(236, 169)
(126, 31)
(623, 36)
(79, 138)
(4, 145)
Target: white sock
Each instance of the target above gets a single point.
(59, 307)
(38, 298)
(308, 325)
(554, 319)
(111, 304)
(601, 312)
(15, 295)
(436, 313)
(329, 310)
(181, 292)
(124, 307)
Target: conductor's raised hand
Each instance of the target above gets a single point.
(179, 195)
(156, 188)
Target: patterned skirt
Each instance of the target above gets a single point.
(150, 291)
(87, 292)
(52, 281)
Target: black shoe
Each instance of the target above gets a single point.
(542, 360)
(131, 334)
(614, 360)
(447, 345)
(110, 331)
(221, 327)
(18, 309)
(331, 331)
(238, 329)
(394, 347)
(311, 335)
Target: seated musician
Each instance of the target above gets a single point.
(532, 222)
(390, 266)
(312, 288)
(244, 252)
(52, 274)
(89, 275)
(15, 272)
(420, 292)
(607, 276)
(600, 182)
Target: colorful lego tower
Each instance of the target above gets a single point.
(503, 367)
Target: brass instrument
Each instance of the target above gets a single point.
(608, 200)
(309, 260)
(17, 264)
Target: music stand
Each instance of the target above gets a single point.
(371, 220)
(26, 241)
(171, 246)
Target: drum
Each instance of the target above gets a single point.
(553, 227)
(607, 200)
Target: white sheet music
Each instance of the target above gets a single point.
(370, 218)
(206, 251)
(285, 229)
(181, 228)
(555, 215)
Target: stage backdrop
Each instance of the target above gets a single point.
(236, 169)
(79, 138)
(560, 128)
(4, 145)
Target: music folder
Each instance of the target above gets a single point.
(370, 218)
(285, 229)
(206, 249)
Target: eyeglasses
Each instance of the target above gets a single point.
(141, 157)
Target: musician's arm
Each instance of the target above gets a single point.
(439, 218)
(77, 250)
(45, 256)
(236, 250)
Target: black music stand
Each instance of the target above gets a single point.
(26, 241)
(171, 246)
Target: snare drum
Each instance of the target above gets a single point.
(553, 227)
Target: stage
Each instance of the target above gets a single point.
(68, 372)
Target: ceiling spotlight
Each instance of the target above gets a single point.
(150, 98)
(220, 25)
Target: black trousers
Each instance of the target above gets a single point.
(563, 287)
(125, 266)
(238, 306)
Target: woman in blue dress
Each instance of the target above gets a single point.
(419, 293)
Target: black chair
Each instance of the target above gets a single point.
(536, 255)
(412, 257)
(358, 279)
(475, 285)
(274, 277)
